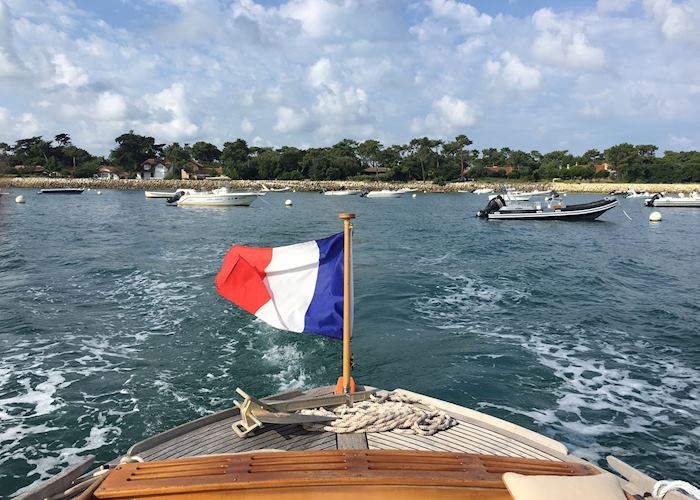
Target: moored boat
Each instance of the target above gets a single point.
(631, 193)
(343, 192)
(483, 191)
(62, 191)
(220, 197)
(660, 200)
(385, 193)
(160, 194)
(498, 208)
(266, 189)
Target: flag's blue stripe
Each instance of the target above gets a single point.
(325, 313)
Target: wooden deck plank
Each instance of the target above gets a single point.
(405, 442)
(455, 439)
(496, 436)
(192, 443)
(171, 446)
(490, 447)
(352, 441)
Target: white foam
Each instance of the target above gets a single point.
(41, 396)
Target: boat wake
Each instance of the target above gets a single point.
(598, 389)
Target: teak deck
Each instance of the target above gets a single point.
(212, 435)
(472, 455)
(373, 473)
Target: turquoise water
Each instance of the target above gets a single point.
(111, 329)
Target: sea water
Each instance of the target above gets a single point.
(111, 329)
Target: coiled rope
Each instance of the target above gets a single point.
(661, 488)
(386, 413)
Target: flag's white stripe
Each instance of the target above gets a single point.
(291, 280)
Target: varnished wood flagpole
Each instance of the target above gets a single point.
(347, 382)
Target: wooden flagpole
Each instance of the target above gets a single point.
(348, 384)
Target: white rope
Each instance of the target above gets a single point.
(661, 488)
(379, 414)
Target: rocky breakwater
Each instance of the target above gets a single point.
(246, 185)
(311, 185)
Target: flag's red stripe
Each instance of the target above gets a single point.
(240, 279)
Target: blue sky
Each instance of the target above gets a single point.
(530, 75)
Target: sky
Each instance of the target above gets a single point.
(530, 75)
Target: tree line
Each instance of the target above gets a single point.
(420, 159)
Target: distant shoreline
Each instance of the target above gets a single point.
(310, 186)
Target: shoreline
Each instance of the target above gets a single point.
(311, 186)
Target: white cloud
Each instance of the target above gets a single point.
(563, 42)
(471, 47)
(12, 127)
(247, 126)
(449, 114)
(613, 5)
(315, 16)
(110, 107)
(320, 73)
(289, 120)
(310, 72)
(169, 109)
(66, 73)
(10, 64)
(467, 17)
(678, 21)
(513, 73)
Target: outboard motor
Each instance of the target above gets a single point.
(494, 205)
(177, 196)
(650, 202)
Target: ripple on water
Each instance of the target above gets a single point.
(608, 386)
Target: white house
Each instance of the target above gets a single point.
(107, 172)
(152, 169)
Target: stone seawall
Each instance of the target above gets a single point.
(309, 185)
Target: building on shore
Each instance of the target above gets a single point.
(110, 172)
(195, 170)
(153, 168)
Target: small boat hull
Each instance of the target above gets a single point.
(385, 194)
(343, 192)
(62, 191)
(218, 200)
(582, 211)
(677, 202)
(160, 194)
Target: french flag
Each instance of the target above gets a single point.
(297, 287)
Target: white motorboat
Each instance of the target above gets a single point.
(483, 191)
(385, 193)
(221, 197)
(660, 200)
(343, 192)
(160, 194)
(266, 189)
(408, 190)
(634, 194)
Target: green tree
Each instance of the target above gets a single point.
(235, 157)
(133, 149)
(205, 152)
